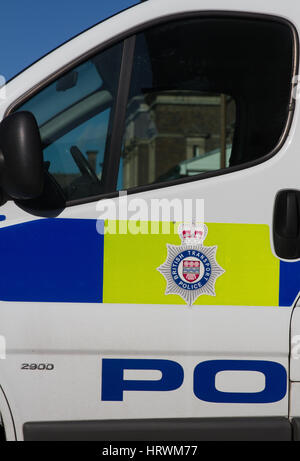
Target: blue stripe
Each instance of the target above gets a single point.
(52, 260)
(289, 283)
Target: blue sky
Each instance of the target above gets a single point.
(31, 28)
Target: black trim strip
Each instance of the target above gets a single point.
(111, 166)
(296, 429)
(212, 429)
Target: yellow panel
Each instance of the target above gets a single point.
(251, 271)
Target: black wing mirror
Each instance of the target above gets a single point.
(21, 156)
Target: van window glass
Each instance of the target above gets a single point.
(74, 114)
(206, 94)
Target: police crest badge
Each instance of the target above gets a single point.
(191, 269)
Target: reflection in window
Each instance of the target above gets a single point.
(205, 94)
(90, 139)
(74, 115)
(174, 134)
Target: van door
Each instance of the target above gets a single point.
(128, 306)
(203, 122)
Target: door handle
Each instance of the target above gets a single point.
(286, 224)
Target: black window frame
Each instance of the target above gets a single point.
(111, 166)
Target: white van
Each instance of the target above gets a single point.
(119, 321)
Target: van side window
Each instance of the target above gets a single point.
(74, 114)
(206, 94)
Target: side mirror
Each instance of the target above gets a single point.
(21, 156)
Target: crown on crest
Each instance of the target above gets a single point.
(192, 233)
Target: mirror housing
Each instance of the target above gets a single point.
(21, 156)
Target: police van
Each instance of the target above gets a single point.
(119, 320)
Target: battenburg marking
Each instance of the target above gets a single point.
(191, 269)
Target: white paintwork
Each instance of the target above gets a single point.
(240, 381)
(295, 345)
(76, 337)
(295, 400)
(10, 433)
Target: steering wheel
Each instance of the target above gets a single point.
(83, 164)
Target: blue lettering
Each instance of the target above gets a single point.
(113, 383)
(205, 374)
